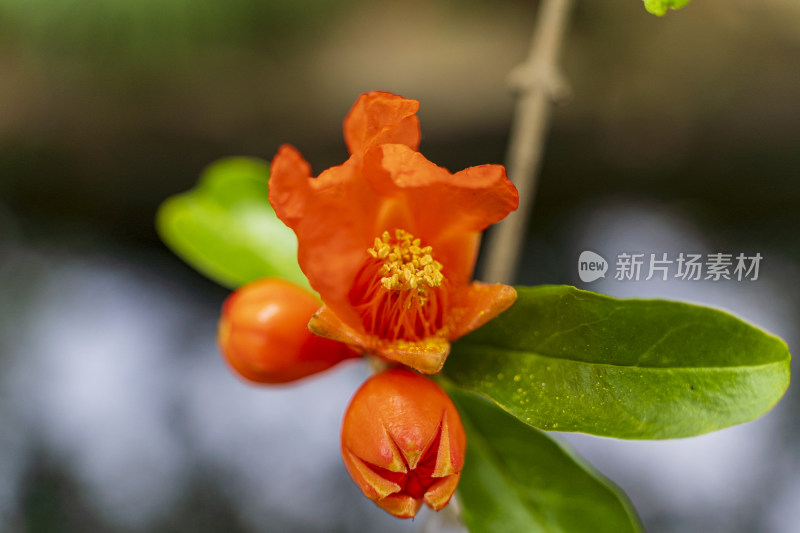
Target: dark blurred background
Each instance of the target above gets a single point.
(117, 414)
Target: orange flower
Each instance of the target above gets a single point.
(263, 333)
(389, 239)
(403, 442)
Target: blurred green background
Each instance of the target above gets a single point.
(684, 128)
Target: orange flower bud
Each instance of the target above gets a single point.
(263, 333)
(403, 442)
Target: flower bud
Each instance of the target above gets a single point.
(263, 333)
(403, 442)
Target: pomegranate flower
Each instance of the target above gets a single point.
(403, 442)
(389, 240)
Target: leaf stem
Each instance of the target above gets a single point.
(538, 83)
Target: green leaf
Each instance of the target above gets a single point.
(516, 478)
(225, 227)
(659, 7)
(570, 360)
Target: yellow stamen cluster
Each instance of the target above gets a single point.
(406, 266)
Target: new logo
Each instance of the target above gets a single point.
(591, 266)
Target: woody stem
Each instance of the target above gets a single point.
(538, 83)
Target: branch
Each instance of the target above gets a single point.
(538, 83)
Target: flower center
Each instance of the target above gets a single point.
(398, 290)
(406, 266)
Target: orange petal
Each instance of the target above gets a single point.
(477, 304)
(475, 198)
(333, 217)
(457, 251)
(380, 117)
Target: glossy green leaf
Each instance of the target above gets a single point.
(225, 227)
(659, 7)
(517, 478)
(570, 360)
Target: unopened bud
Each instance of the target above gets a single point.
(403, 442)
(263, 333)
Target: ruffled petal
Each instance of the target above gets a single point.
(333, 217)
(475, 198)
(380, 117)
(447, 211)
(477, 304)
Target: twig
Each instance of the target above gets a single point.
(538, 82)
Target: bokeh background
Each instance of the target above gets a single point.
(117, 413)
